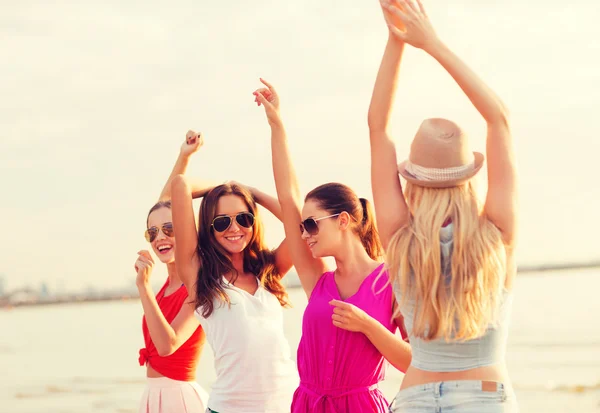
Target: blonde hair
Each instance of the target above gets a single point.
(458, 302)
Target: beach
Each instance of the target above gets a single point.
(83, 357)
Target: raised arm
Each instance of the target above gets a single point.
(283, 258)
(501, 202)
(193, 142)
(309, 268)
(390, 206)
(199, 187)
(269, 202)
(186, 233)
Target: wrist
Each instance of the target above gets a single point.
(435, 48)
(184, 157)
(393, 39)
(369, 327)
(143, 286)
(276, 124)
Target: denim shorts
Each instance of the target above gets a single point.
(461, 396)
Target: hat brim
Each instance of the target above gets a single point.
(479, 158)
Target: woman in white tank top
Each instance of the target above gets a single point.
(235, 281)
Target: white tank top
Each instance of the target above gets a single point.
(255, 371)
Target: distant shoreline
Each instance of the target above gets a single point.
(7, 304)
(558, 267)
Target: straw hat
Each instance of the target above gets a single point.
(440, 156)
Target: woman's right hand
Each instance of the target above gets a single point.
(418, 30)
(193, 142)
(269, 99)
(143, 267)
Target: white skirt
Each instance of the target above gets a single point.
(164, 395)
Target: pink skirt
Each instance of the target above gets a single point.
(164, 395)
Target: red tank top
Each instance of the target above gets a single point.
(181, 365)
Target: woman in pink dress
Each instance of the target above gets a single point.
(339, 369)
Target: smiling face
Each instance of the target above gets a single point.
(236, 237)
(327, 240)
(163, 245)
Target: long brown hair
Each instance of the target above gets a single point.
(458, 302)
(337, 198)
(215, 260)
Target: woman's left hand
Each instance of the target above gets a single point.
(350, 317)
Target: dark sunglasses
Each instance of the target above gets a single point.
(310, 224)
(152, 232)
(223, 222)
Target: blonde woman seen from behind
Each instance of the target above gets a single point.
(451, 261)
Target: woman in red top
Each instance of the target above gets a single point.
(172, 335)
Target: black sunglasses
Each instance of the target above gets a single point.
(223, 222)
(310, 224)
(152, 232)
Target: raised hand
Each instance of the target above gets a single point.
(349, 317)
(417, 30)
(390, 18)
(143, 266)
(268, 98)
(193, 142)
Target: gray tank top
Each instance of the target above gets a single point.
(442, 356)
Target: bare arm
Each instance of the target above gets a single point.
(269, 202)
(186, 234)
(309, 268)
(193, 142)
(392, 347)
(199, 187)
(283, 258)
(390, 206)
(166, 337)
(501, 202)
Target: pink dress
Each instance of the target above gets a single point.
(339, 369)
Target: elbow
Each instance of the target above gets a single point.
(166, 349)
(178, 182)
(164, 352)
(404, 364)
(290, 199)
(377, 122)
(376, 125)
(501, 117)
(179, 185)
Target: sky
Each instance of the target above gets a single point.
(96, 98)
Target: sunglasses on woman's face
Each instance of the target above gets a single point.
(152, 232)
(223, 222)
(310, 224)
